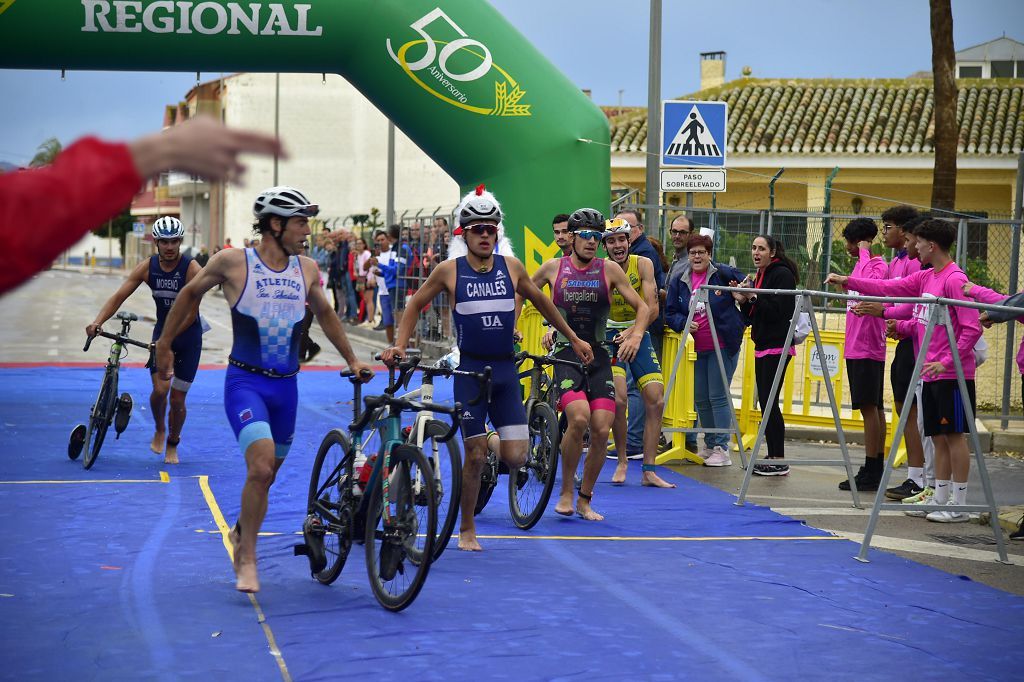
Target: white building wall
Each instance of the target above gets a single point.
(337, 145)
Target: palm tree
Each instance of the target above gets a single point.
(46, 153)
(946, 130)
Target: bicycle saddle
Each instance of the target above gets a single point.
(131, 317)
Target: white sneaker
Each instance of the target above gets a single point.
(922, 507)
(718, 458)
(952, 516)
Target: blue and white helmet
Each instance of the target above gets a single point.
(168, 228)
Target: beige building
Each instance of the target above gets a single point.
(337, 145)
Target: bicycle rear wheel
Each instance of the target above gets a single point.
(447, 480)
(399, 546)
(331, 501)
(529, 488)
(99, 420)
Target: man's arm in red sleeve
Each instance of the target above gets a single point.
(44, 211)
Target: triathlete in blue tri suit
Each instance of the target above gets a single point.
(483, 288)
(267, 288)
(166, 272)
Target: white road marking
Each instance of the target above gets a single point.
(52, 339)
(52, 351)
(830, 511)
(922, 547)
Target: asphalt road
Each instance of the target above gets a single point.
(46, 319)
(44, 322)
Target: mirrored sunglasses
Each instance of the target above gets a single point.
(483, 228)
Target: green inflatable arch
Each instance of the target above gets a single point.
(454, 75)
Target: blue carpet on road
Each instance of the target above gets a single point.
(124, 577)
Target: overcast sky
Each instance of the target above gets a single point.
(600, 44)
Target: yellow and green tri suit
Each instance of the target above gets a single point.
(645, 367)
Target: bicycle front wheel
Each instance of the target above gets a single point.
(99, 420)
(400, 543)
(529, 488)
(331, 501)
(446, 461)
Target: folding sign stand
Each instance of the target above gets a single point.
(939, 315)
(701, 296)
(803, 305)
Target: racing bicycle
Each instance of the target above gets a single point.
(393, 513)
(108, 408)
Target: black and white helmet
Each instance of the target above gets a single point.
(586, 219)
(285, 202)
(168, 227)
(479, 205)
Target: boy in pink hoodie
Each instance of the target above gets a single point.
(865, 355)
(943, 405)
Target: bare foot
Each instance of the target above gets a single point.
(652, 480)
(587, 512)
(157, 445)
(246, 578)
(171, 456)
(619, 477)
(468, 541)
(564, 506)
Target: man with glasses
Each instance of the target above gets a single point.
(483, 286)
(581, 286)
(679, 232)
(645, 367)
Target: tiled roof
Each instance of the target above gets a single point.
(831, 117)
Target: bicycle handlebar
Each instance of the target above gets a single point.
(116, 337)
(541, 360)
(373, 403)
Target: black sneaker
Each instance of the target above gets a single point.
(867, 480)
(902, 491)
(1019, 533)
(771, 469)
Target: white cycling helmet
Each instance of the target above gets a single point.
(478, 205)
(168, 228)
(285, 202)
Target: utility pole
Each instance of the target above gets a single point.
(654, 114)
(389, 208)
(277, 117)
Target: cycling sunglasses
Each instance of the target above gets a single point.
(483, 228)
(589, 234)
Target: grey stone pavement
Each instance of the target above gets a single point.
(44, 321)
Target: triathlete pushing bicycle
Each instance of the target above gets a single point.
(483, 286)
(166, 273)
(267, 288)
(581, 287)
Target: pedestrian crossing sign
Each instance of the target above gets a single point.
(693, 134)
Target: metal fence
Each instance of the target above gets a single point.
(423, 244)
